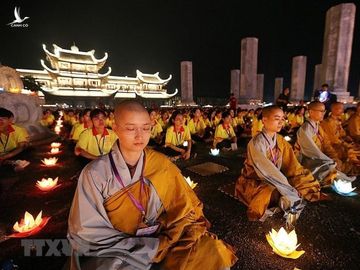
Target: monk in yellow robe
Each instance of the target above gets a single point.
(314, 149)
(346, 150)
(354, 125)
(133, 209)
(271, 175)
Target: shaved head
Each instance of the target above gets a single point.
(315, 105)
(128, 106)
(269, 110)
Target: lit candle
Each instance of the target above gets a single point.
(29, 226)
(47, 184)
(55, 145)
(49, 161)
(54, 150)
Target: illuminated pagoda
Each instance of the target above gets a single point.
(73, 73)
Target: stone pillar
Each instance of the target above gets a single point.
(298, 75)
(279, 84)
(338, 38)
(317, 77)
(235, 83)
(186, 83)
(248, 75)
(260, 86)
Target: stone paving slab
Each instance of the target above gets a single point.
(207, 168)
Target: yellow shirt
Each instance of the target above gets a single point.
(177, 138)
(257, 127)
(155, 130)
(221, 132)
(216, 121)
(96, 144)
(109, 122)
(15, 136)
(207, 122)
(198, 127)
(77, 130)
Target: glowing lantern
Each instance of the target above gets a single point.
(57, 129)
(59, 122)
(55, 145)
(284, 244)
(28, 225)
(185, 143)
(287, 138)
(54, 150)
(190, 182)
(47, 184)
(214, 152)
(49, 161)
(343, 188)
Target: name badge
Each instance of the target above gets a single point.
(147, 231)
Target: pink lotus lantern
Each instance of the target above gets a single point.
(49, 161)
(47, 184)
(28, 225)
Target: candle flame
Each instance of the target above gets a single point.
(28, 223)
(47, 184)
(49, 161)
(190, 182)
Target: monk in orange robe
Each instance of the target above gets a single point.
(272, 176)
(133, 208)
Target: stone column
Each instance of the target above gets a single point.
(338, 38)
(260, 86)
(235, 83)
(298, 74)
(317, 77)
(248, 75)
(279, 81)
(186, 83)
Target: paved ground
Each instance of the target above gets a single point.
(329, 232)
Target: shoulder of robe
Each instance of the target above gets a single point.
(156, 161)
(282, 143)
(98, 169)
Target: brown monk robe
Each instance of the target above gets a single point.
(354, 125)
(271, 172)
(347, 151)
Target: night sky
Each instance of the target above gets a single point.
(156, 35)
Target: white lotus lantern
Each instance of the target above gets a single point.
(54, 150)
(47, 184)
(28, 223)
(59, 122)
(343, 187)
(284, 244)
(214, 152)
(57, 129)
(185, 143)
(55, 145)
(287, 138)
(190, 182)
(49, 161)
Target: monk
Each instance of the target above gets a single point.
(314, 150)
(133, 209)
(354, 125)
(346, 149)
(271, 175)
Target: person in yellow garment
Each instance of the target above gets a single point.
(84, 123)
(314, 150)
(271, 175)
(197, 125)
(96, 141)
(13, 139)
(156, 134)
(164, 225)
(224, 133)
(178, 138)
(354, 125)
(346, 149)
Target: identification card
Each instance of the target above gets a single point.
(147, 231)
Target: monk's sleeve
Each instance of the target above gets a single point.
(91, 233)
(327, 147)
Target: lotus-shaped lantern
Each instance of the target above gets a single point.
(190, 182)
(49, 161)
(185, 143)
(59, 122)
(47, 184)
(287, 138)
(57, 129)
(54, 151)
(214, 152)
(343, 188)
(28, 225)
(284, 244)
(55, 145)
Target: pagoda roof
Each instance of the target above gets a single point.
(56, 73)
(154, 94)
(74, 56)
(151, 78)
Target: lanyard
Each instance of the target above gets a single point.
(101, 150)
(136, 203)
(6, 142)
(274, 156)
(316, 131)
(227, 131)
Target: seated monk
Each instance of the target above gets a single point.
(314, 150)
(346, 150)
(354, 125)
(271, 175)
(133, 209)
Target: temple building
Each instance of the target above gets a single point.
(73, 73)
